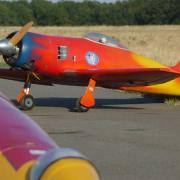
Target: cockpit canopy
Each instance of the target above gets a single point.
(101, 38)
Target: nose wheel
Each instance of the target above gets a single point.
(27, 102)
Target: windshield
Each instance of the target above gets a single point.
(101, 38)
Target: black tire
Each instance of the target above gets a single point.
(27, 102)
(81, 108)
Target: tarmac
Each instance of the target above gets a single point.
(128, 137)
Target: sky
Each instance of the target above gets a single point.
(108, 1)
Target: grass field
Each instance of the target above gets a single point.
(161, 43)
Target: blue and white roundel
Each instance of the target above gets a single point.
(92, 58)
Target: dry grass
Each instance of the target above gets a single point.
(161, 43)
(172, 101)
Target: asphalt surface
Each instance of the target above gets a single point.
(126, 136)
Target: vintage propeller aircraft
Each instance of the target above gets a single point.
(94, 60)
(28, 153)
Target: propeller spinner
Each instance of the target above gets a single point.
(8, 47)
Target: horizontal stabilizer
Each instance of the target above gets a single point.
(177, 67)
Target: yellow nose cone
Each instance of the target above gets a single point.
(70, 169)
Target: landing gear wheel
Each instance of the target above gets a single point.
(81, 108)
(27, 102)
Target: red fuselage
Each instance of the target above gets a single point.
(74, 61)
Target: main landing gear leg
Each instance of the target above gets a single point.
(24, 98)
(87, 101)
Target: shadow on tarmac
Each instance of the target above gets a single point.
(70, 103)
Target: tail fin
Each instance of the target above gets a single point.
(177, 67)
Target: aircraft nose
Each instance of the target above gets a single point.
(7, 48)
(70, 169)
(64, 164)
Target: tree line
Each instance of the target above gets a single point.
(129, 12)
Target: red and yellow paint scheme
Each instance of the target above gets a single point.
(93, 60)
(28, 153)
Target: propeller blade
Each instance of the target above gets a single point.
(19, 35)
